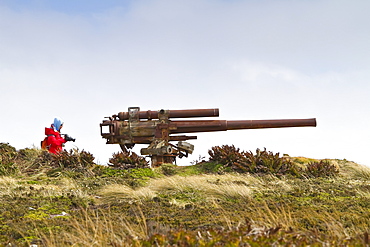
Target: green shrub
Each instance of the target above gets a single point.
(5, 148)
(322, 168)
(265, 162)
(74, 159)
(8, 156)
(73, 163)
(229, 156)
(31, 160)
(127, 160)
(270, 163)
(34, 161)
(28, 154)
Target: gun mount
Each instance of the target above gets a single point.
(156, 129)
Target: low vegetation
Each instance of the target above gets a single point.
(236, 198)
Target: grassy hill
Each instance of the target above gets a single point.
(234, 199)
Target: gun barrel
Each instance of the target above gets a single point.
(157, 129)
(213, 112)
(223, 125)
(275, 123)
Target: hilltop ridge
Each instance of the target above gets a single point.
(205, 204)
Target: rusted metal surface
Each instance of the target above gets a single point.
(156, 129)
(223, 125)
(172, 114)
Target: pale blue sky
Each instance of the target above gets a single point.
(84, 60)
(70, 7)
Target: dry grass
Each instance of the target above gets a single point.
(210, 185)
(11, 187)
(117, 192)
(351, 170)
(8, 185)
(327, 211)
(265, 216)
(99, 228)
(361, 172)
(207, 186)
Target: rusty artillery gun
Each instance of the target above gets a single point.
(156, 129)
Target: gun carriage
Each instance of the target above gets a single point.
(158, 130)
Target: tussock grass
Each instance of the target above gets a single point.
(209, 185)
(352, 170)
(360, 172)
(8, 185)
